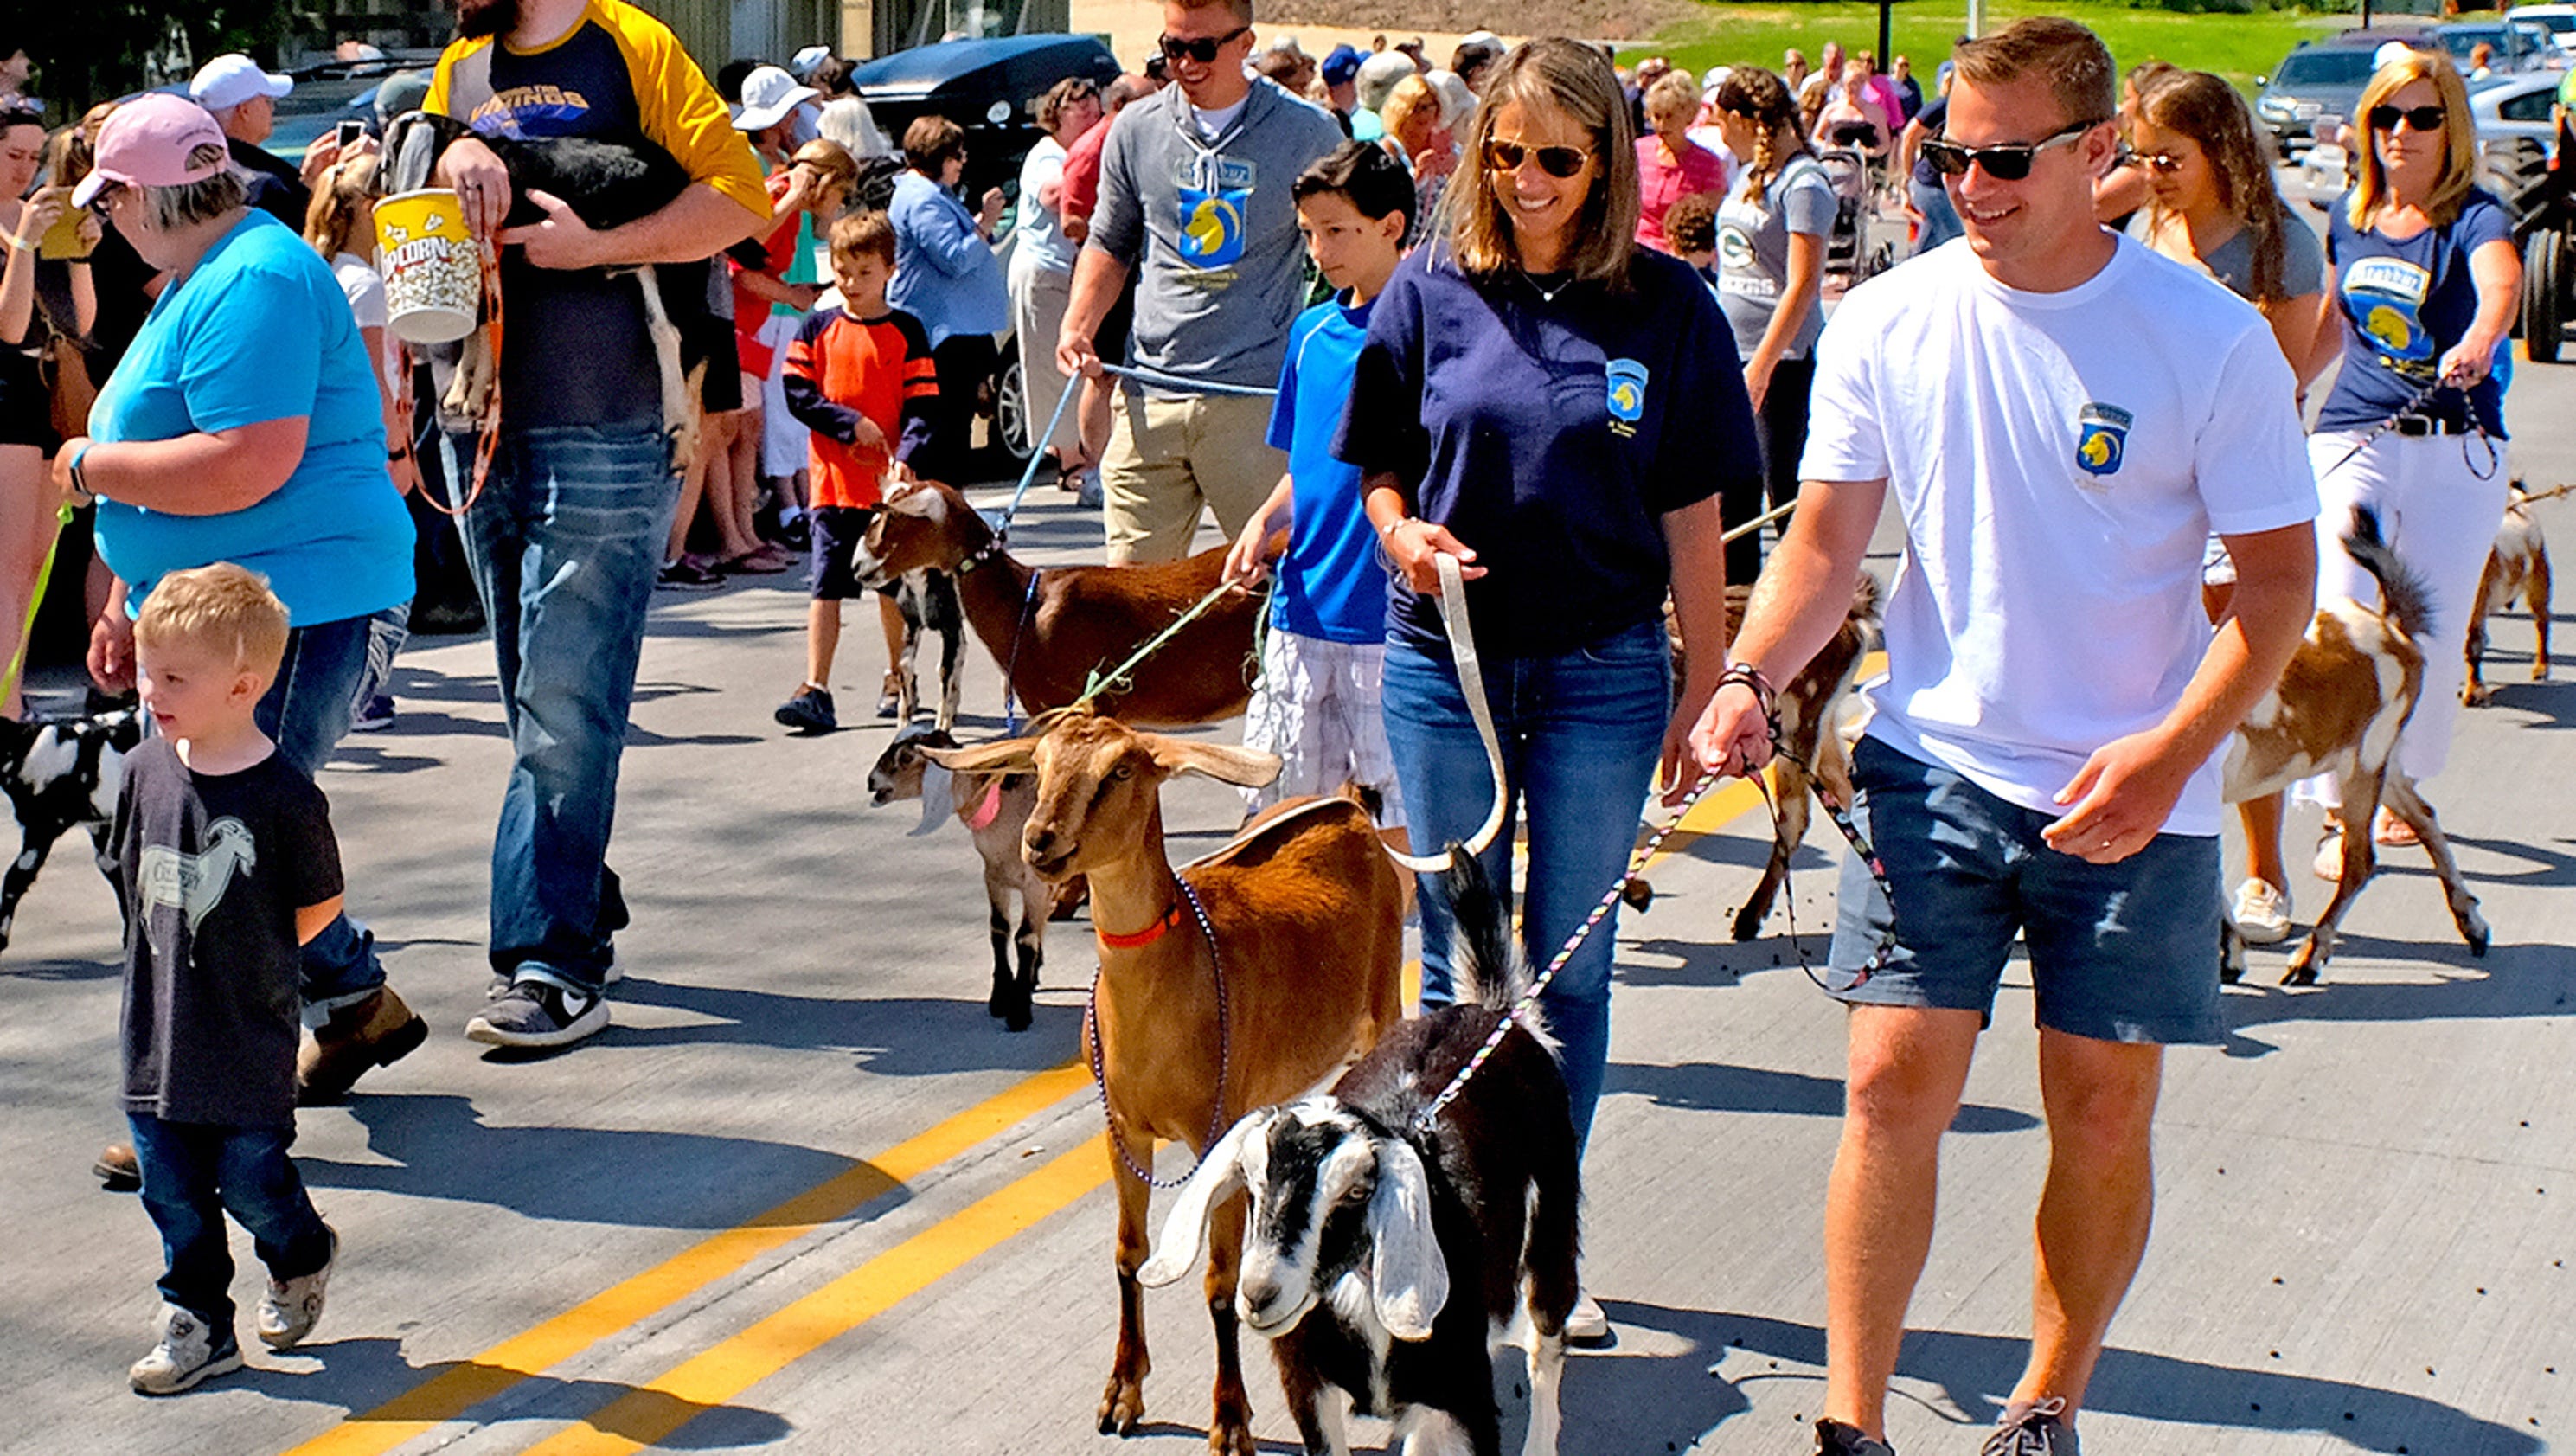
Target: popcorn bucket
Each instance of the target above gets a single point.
(432, 267)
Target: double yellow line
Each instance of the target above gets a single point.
(650, 1412)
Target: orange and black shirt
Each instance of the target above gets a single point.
(841, 368)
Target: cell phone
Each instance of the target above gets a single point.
(347, 133)
(63, 239)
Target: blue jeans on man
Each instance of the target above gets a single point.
(565, 542)
(1580, 733)
(193, 1173)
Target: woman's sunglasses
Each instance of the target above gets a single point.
(1201, 50)
(2164, 162)
(1557, 162)
(2004, 164)
(2420, 118)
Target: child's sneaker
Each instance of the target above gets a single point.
(292, 1307)
(810, 711)
(1833, 1438)
(189, 1352)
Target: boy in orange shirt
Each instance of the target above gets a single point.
(859, 376)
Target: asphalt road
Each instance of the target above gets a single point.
(804, 1195)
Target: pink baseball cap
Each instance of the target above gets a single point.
(158, 140)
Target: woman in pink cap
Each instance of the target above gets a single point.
(243, 424)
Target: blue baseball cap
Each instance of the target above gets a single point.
(1342, 65)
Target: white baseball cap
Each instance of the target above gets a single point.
(227, 81)
(768, 94)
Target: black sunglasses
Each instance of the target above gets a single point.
(1201, 50)
(2421, 118)
(2004, 164)
(1557, 162)
(2165, 162)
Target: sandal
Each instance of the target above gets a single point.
(2329, 863)
(2392, 832)
(761, 561)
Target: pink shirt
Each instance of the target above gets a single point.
(1660, 184)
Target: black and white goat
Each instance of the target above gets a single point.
(1361, 1226)
(55, 777)
(927, 601)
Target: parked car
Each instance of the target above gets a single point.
(2514, 131)
(2558, 20)
(2520, 45)
(330, 92)
(2320, 78)
(986, 86)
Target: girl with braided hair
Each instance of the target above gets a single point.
(1771, 266)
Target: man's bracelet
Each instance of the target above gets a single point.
(1764, 695)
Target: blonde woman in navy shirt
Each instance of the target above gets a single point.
(1557, 408)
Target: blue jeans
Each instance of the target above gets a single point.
(1940, 215)
(306, 711)
(564, 542)
(192, 1174)
(1580, 736)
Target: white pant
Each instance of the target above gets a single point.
(784, 440)
(1039, 297)
(2441, 520)
(1317, 707)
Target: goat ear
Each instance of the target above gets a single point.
(917, 500)
(938, 799)
(1248, 768)
(1185, 1227)
(1008, 755)
(1407, 1271)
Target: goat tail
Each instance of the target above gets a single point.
(2405, 601)
(1485, 960)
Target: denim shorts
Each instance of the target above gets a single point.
(2118, 952)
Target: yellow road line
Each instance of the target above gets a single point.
(472, 1381)
(650, 1412)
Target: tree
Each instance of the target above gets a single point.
(87, 51)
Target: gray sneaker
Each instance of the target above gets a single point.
(190, 1351)
(1833, 1438)
(2032, 1428)
(292, 1307)
(536, 1013)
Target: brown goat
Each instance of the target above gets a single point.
(2340, 708)
(1310, 946)
(1075, 620)
(1809, 703)
(2518, 566)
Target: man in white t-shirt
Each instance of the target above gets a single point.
(2062, 415)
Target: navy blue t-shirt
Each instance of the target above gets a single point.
(2404, 305)
(1331, 584)
(1551, 436)
(1934, 117)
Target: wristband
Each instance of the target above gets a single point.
(80, 480)
(1765, 697)
(1389, 528)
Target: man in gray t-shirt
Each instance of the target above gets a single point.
(1194, 202)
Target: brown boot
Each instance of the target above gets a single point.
(117, 1169)
(376, 1032)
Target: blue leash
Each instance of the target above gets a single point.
(1037, 449)
(1159, 379)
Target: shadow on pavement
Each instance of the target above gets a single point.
(1639, 1404)
(1714, 1087)
(439, 1147)
(2512, 981)
(362, 1375)
(896, 1036)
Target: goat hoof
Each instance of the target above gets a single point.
(1637, 893)
(1122, 1407)
(1231, 1439)
(2299, 975)
(1747, 925)
(2230, 975)
(1018, 1020)
(2477, 939)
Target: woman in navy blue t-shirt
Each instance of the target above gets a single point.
(1557, 408)
(2423, 285)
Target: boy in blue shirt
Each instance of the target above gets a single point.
(1316, 705)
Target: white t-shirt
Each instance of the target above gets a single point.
(1041, 228)
(2059, 459)
(1212, 124)
(365, 291)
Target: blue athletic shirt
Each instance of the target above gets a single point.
(2404, 305)
(260, 331)
(1331, 583)
(1551, 435)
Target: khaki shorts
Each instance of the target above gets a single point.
(1168, 455)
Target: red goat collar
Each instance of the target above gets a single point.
(1144, 937)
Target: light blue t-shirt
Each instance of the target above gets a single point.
(260, 331)
(1331, 584)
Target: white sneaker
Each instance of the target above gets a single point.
(1587, 1323)
(188, 1353)
(292, 1307)
(2262, 913)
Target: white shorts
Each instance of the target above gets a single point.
(1317, 707)
(784, 440)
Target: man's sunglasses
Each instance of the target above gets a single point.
(1201, 50)
(2004, 164)
(1557, 162)
(2420, 118)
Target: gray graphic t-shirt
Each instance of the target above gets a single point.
(1753, 252)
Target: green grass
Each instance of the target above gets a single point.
(2239, 47)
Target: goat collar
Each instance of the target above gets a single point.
(986, 552)
(1147, 936)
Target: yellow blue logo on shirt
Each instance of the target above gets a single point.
(1212, 226)
(2102, 438)
(2385, 297)
(1627, 385)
